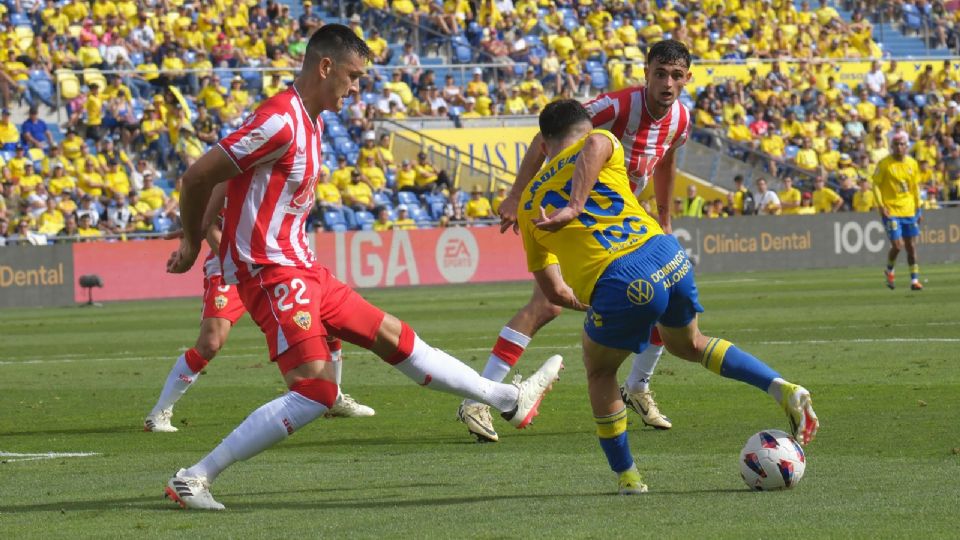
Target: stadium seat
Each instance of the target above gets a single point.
(336, 130)
(382, 199)
(436, 209)
(365, 220)
(333, 218)
(408, 198)
(417, 214)
(790, 151)
(464, 54)
(93, 76)
(69, 85)
(598, 80)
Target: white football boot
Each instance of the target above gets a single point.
(347, 407)
(643, 404)
(478, 420)
(191, 492)
(159, 422)
(532, 391)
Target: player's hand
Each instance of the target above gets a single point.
(508, 214)
(183, 258)
(919, 218)
(557, 219)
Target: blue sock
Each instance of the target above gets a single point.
(723, 358)
(612, 431)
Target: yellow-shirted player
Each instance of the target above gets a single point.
(591, 247)
(897, 192)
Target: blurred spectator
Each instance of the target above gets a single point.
(768, 203)
(693, 205)
(478, 207)
(383, 221)
(86, 229)
(372, 174)
(824, 198)
(70, 230)
(406, 177)
(863, 199)
(34, 131)
(358, 195)
(790, 198)
(51, 221)
(9, 134)
(715, 209)
(743, 202)
(403, 221)
(428, 178)
(25, 235)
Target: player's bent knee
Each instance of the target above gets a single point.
(320, 390)
(394, 340)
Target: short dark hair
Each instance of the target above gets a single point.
(335, 41)
(669, 51)
(559, 116)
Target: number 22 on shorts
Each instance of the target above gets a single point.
(282, 293)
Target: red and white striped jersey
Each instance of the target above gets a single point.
(278, 151)
(645, 139)
(211, 265)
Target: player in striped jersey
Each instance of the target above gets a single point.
(222, 308)
(271, 164)
(651, 124)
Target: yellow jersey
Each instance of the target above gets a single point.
(864, 201)
(895, 186)
(791, 195)
(611, 225)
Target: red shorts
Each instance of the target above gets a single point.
(221, 300)
(291, 305)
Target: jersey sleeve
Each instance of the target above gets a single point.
(538, 257)
(263, 138)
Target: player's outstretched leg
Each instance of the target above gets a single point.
(312, 392)
(512, 341)
(213, 334)
(636, 392)
(398, 345)
(610, 414)
(345, 406)
(725, 359)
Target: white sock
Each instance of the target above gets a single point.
(265, 427)
(337, 358)
(496, 368)
(642, 370)
(438, 370)
(178, 381)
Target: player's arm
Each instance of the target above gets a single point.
(877, 195)
(663, 179)
(210, 226)
(556, 290)
(531, 163)
(915, 193)
(837, 203)
(597, 150)
(198, 182)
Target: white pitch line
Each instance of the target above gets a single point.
(43, 455)
(859, 340)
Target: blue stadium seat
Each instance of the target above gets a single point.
(334, 218)
(464, 54)
(790, 151)
(598, 80)
(417, 214)
(336, 130)
(365, 220)
(382, 199)
(408, 198)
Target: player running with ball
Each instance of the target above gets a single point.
(650, 124)
(272, 163)
(592, 248)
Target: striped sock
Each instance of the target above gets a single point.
(890, 263)
(723, 358)
(612, 431)
(914, 272)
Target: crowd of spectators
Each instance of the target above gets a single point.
(184, 80)
(819, 127)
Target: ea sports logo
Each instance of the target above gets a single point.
(640, 292)
(457, 255)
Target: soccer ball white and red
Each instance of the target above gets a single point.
(772, 460)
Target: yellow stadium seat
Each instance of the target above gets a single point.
(93, 76)
(24, 37)
(69, 84)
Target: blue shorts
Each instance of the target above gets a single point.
(653, 284)
(901, 227)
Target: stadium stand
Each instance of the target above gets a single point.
(162, 82)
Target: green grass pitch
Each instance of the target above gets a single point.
(882, 366)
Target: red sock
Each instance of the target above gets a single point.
(195, 362)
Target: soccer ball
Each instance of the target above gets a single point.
(772, 460)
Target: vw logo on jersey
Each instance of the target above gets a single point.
(640, 292)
